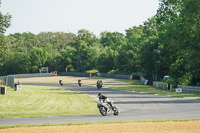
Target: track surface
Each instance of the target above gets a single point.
(132, 106)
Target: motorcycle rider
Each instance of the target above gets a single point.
(79, 82)
(105, 99)
(99, 84)
(60, 82)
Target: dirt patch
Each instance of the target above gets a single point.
(146, 127)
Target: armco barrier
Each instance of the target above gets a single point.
(193, 89)
(98, 74)
(114, 76)
(75, 74)
(9, 80)
(33, 75)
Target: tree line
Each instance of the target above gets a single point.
(166, 44)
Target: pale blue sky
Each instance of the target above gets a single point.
(72, 15)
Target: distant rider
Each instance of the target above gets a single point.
(60, 82)
(99, 84)
(79, 82)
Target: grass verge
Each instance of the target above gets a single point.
(36, 101)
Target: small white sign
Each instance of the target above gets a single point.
(179, 90)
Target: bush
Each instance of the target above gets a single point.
(92, 71)
(114, 72)
(172, 81)
(185, 79)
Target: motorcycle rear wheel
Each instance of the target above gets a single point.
(116, 111)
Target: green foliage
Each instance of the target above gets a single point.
(92, 71)
(114, 72)
(128, 54)
(112, 39)
(171, 81)
(185, 79)
(38, 58)
(106, 60)
(4, 24)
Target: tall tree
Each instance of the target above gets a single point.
(128, 55)
(187, 37)
(87, 50)
(4, 24)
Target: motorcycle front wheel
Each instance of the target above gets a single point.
(103, 111)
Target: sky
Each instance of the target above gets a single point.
(37, 16)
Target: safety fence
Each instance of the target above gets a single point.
(116, 76)
(79, 74)
(193, 89)
(33, 75)
(9, 79)
(162, 85)
(3, 80)
(98, 75)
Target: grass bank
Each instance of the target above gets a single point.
(36, 101)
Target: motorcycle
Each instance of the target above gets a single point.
(99, 86)
(105, 108)
(79, 83)
(60, 82)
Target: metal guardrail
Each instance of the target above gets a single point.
(193, 89)
(33, 75)
(9, 79)
(75, 74)
(114, 76)
(98, 74)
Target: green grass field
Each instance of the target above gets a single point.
(35, 101)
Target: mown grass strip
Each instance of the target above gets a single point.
(37, 101)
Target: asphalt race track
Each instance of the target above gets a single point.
(132, 106)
